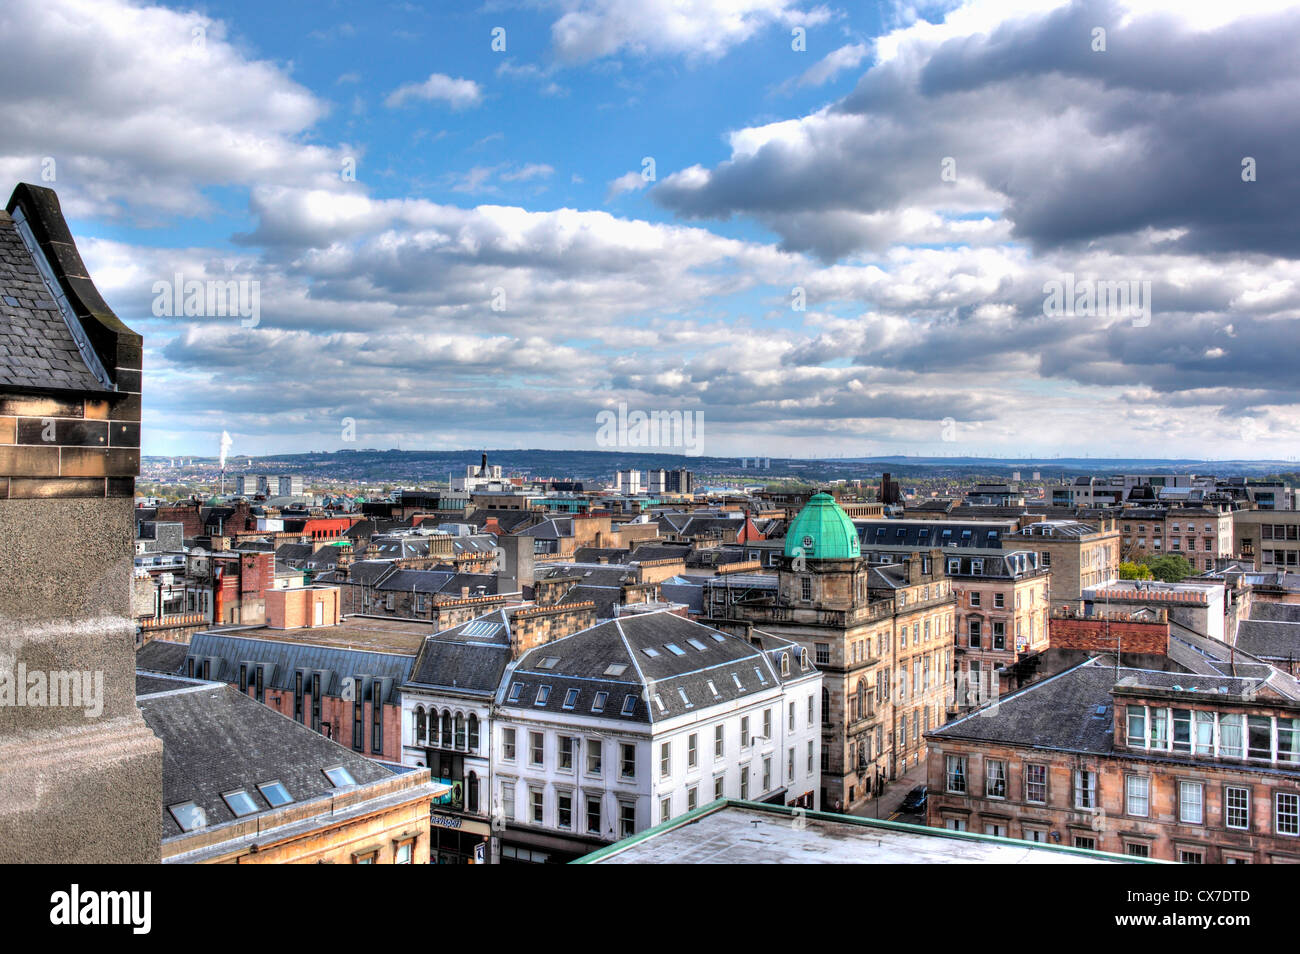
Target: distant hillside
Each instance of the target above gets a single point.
(399, 466)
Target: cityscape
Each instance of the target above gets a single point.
(691, 432)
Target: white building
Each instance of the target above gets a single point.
(627, 481)
(630, 723)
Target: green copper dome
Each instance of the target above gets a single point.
(824, 531)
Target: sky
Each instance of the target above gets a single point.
(818, 228)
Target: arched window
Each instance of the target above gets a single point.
(862, 698)
(460, 730)
(446, 729)
(419, 724)
(472, 792)
(785, 664)
(473, 732)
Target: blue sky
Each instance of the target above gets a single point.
(915, 175)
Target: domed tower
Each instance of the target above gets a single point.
(823, 562)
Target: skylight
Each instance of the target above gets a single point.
(713, 689)
(275, 793)
(548, 662)
(570, 698)
(515, 690)
(240, 803)
(339, 776)
(739, 685)
(629, 704)
(616, 669)
(598, 704)
(543, 693)
(674, 649)
(697, 644)
(188, 815)
(650, 651)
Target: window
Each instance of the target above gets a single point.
(1204, 732)
(1085, 841)
(598, 704)
(626, 819)
(593, 816)
(812, 715)
(974, 598)
(1036, 783)
(665, 759)
(1191, 803)
(810, 755)
(665, 809)
(188, 815)
(543, 693)
(1137, 725)
(570, 698)
(508, 745)
(806, 589)
(999, 600)
(692, 750)
(536, 805)
(956, 774)
(790, 719)
(536, 748)
(1137, 849)
(719, 746)
(508, 800)
(1190, 856)
(515, 692)
(1288, 740)
(995, 778)
(823, 653)
(1085, 789)
(955, 824)
(566, 753)
(473, 732)
(627, 760)
(629, 704)
(1035, 834)
(1286, 813)
(275, 794)
(339, 776)
(1137, 795)
(996, 830)
(744, 732)
(692, 798)
(718, 786)
(1231, 740)
(402, 852)
(767, 773)
(767, 724)
(1260, 737)
(744, 783)
(564, 810)
(1236, 805)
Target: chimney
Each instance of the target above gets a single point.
(538, 625)
(464, 592)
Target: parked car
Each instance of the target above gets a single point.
(914, 803)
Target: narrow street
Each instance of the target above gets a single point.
(893, 796)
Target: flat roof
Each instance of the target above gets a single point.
(375, 634)
(733, 832)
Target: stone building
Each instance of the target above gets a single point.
(1078, 555)
(82, 776)
(1169, 765)
(882, 637)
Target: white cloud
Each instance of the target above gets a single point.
(439, 87)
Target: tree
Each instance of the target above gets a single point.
(1170, 568)
(1134, 571)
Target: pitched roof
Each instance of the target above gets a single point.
(217, 740)
(37, 347)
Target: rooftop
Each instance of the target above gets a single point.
(729, 832)
(373, 633)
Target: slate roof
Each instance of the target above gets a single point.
(924, 534)
(161, 655)
(1072, 711)
(217, 740)
(1269, 639)
(468, 657)
(1275, 612)
(37, 349)
(285, 658)
(583, 662)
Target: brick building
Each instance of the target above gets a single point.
(1078, 555)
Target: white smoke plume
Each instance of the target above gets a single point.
(225, 447)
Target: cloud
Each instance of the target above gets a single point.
(1152, 135)
(695, 29)
(439, 87)
(830, 66)
(627, 182)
